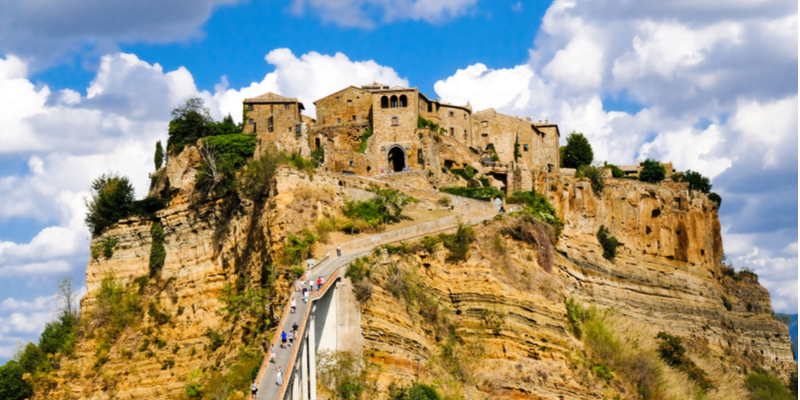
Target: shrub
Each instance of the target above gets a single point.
(59, 335)
(158, 157)
(215, 174)
(33, 359)
(763, 386)
(158, 254)
(652, 171)
(386, 206)
(235, 148)
(458, 244)
(715, 198)
(216, 340)
(147, 207)
(194, 390)
(595, 176)
(677, 177)
(578, 151)
(417, 391)
(574, 310)
(517, 153)
(258, 177)
(108, 246)
(12, 387)
(673, 353)
(467, 173)
(243, 303)
(345, 375)
(697, 181)
(727, 303)
(111, 200)
(362, 290)
(299, 248)
(362, 145)
(482, 193)
(603, 372)
(158, 316)
(302, 163)
(484, 181)
(117, 307)
(539, 207)
(616, 172)
(607, 242)
(318, 155)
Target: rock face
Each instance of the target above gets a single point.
(667, 276)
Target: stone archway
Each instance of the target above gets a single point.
(396, 158)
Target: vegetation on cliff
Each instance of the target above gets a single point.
(384, 207)
(652, 171)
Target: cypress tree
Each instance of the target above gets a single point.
(159, 156)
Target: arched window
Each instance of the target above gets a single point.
(384, 102)
(403, 101)
(394, 101)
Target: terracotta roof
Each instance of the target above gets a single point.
(270, 97)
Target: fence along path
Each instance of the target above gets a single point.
(268, 388)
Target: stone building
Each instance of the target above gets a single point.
(276, 119)
(536, 143)
(635, 170)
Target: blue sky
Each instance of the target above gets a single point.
(86, 87)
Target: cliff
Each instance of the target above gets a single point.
(507, 333)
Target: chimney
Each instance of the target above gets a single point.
(540, 121)
(546, 121)
(528, 119)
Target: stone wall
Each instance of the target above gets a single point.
(345, 106)
(457, 122)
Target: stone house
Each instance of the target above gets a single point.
(538, 142)
(276, 119)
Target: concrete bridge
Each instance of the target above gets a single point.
(331, 320)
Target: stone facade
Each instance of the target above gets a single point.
(350, 105)
(276, 119)
(538, 143)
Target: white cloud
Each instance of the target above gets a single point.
(369, 13)
(308, 78)
(689, 149)
(484, 88)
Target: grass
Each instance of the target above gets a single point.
(481, 193)
(362, 146)
(763, 386)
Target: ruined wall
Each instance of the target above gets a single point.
(345, 106)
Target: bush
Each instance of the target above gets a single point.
(595, 176)
(539, 207)
(258, 178)
(652, 171)
(417, 391)
(108, 246)
(362, 145)
(458, 244)
(574, 312)
(117, 307)
(194, 390)
(386, 206)
(215, 174)
(345, 375)
(147, 207)
(763, 386)
(467, 173)
(482, 193)
(358, 270)
(111, 200)
(12, 387)
(216, 340)
(59, 335)
(484, 181)
(302, 163)
(616, 172)
(715, 198)
(607, 242)
(677, 177)
(235, 148)
(299, 248)
(673, 353)
(158, 316)
(318, 155)
(697, 181)
(33, 359)
(158, 254)
(727, 303)
(578, 151)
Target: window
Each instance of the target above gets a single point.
(250, 121)
(249, 107)
(484, 124)
(452, 113)
(395, 121)
(290, 129)
(271, 108)
(452, 132)
(486, 135)
(351, 163)
(525, 147)
(297, 129)
(420, 159)
(465, 134)
(384, 102)
(355, 118)
(288, 106)
(337, 97)
(430, 107)
(349, 103)
(339, 120)
(393, 101)
(403, 101)
(465, 116)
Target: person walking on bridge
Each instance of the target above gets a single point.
(253, 389)
(294, 305)
(279, 376)
(319, 283)
(272, 354)
(283, 339)
(338, 250)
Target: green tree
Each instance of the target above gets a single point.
(12, 387)
(616, 172)
(190, 121)
(158, 158)
(32, 359)
(697, 181)
(112, 200)
(157, 251)
(578, 151)
(652, 171)
(226, 127)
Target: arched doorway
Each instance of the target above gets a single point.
(396, 158)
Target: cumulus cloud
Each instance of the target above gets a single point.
(369, 13)
(715, 85)
(42, 31)
(308, 78)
